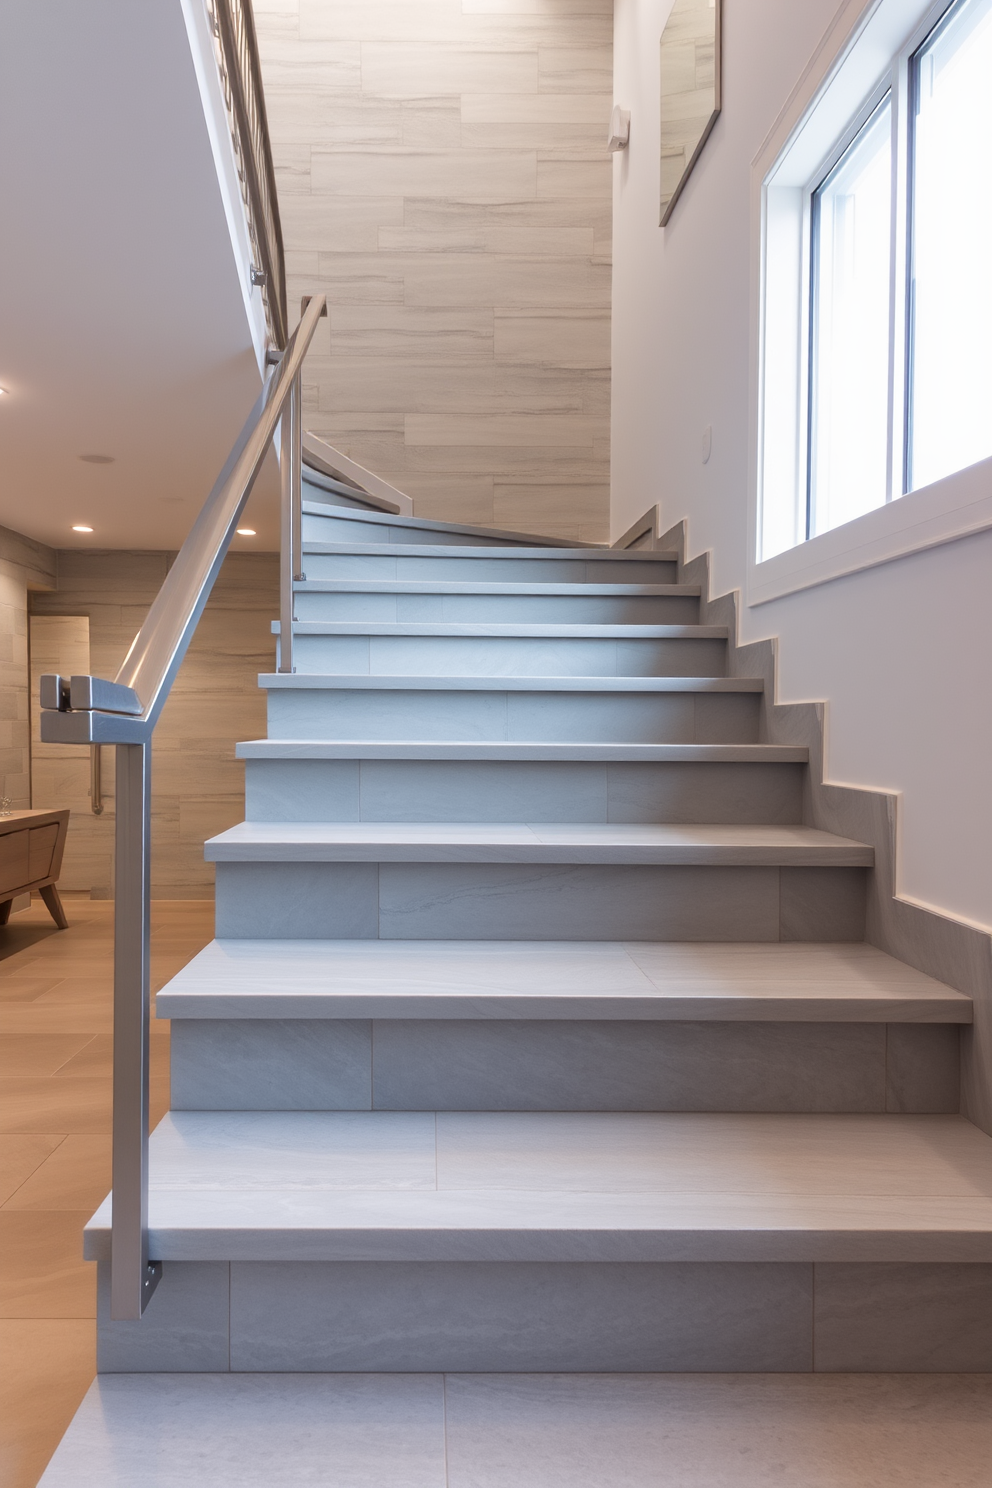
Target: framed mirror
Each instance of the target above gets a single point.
(690, 91)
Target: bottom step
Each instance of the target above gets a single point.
(494, 1431)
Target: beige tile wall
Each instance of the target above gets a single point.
(443, 179)
(197, 784)
(24, 565)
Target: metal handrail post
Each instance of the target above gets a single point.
(288, 563)
(133, 1276)
(93, 710)
(296, 455)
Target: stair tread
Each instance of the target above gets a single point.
(401, 683)
(525, 842)
(317, 749)
(546, 979)
(280, 1430)
(561, 1186)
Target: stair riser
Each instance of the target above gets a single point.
(554, 717)
(516, 791)
(508, 656)
(318, 528)
(515, 570)
(267, 1064)
(510, 609)
(482, 901)
(540, 1317)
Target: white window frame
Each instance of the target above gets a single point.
(865, 54)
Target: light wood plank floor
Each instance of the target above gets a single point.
(55, 1100)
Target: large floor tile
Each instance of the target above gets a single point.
(75, 1176)
(721, 1431)
(250, 1431)
(42, 1271)
(20, 1156)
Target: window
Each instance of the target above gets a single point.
(877, 231)
(951, 376)
(851, 221)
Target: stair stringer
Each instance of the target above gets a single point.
(939, 945)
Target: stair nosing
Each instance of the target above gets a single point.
(364, 681)
(466, 550)
(552, 843)
(691, 1203)
(497, 630)
(561, 981)
(591, 753)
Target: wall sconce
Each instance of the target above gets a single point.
(619, 129)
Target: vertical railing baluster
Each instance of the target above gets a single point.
(287, 556)
(133, 1276)
(296, 407)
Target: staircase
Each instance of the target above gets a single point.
(539, 1037)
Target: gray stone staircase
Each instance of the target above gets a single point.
(540, 1036)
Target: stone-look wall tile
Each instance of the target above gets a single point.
(443, 175)
(197, 783)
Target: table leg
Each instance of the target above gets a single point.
(50, 894)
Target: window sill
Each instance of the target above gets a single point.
(949, 509)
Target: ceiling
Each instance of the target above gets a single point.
(123, 327)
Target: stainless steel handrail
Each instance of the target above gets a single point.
(241, 75)
(92, 710)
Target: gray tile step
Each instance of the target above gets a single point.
(277, 1430)
(405, 529)
(537, 843)
(378, 560)
(702, 783)
(246, 979)
(574, 710)
(564, 1187)
(456, 600)
(559, 1027)
(392, 649)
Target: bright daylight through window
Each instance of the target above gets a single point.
(851, 268)
(888, 241)
(951, 379)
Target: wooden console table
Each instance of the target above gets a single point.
(31, 844)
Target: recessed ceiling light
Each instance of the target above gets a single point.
(3, 392)
(81, 528)
(98, 459)
(247, 532)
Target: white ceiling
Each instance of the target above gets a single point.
(123, 328)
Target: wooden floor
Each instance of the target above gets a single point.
(55, 1100)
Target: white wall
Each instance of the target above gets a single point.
(900, 652)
